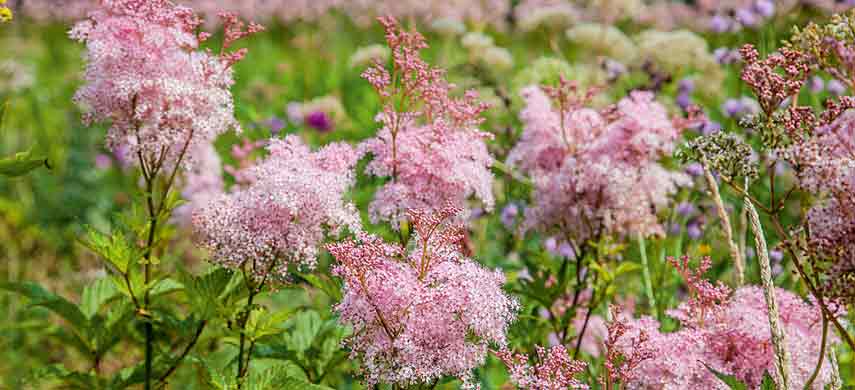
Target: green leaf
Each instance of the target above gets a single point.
(281, 375)
(325, 284)
(207, 292)
(768, 383)
(21, 163)
(113, 248)
(729, 380)
(305, 326)
(41, 297)
(95, 295)
(261, 323)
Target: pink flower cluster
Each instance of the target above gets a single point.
(825, 165)
(430, 146)
(734, 338)
(555, 369)
(422, 314)
(202, 183)
(295, 198)
(596, 172)
(146, 76)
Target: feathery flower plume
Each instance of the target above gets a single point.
(420, 314)
(279, 220)
(146, 76)
(430, 146)
(555, 369)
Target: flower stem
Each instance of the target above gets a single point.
(782, 358)
(813, 376)
(726, 227)
(645, 273)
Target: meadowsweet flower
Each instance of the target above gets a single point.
(549, 14)
(431, 156)
(497, 58)
(420, 314)
(587, 166)
(202, 183)
(448, 27)
(770, 85)
(146, 76)
(279, 220)
(555, 369)
(676, 50)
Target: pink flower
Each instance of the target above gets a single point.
(555, 369)
(295, 199)
(432, 150)
(424, 314)
(596, 172)
(146, 76)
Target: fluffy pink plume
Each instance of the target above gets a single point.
(147, 77)
(555, 369)
(432, 150)
(422, 314)
(734, 338)
(596, 172)
(201, 184)
(295, 199)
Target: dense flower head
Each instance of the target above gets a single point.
(825, 166)
(431, 149)
(420, 314)
(295, 198)
(736, 341)
(146, 76)
(596, 171)
(200, 184)
(624, 352)
(704, 296)
(555, 369)
(774, 78)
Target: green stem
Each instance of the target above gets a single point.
(244, 319)
(813, 376)
(645, 273)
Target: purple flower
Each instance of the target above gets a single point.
(275, 124)
(710, 127)
(613, 68)
(320, 121)
(776, 255)
(693, 229)
(816, 84)
(835, 87)
(685, 209)
(566, 250)
(747, 17)
(720, 24)
(551, 245)
(674, 228)
(686, 85)
(764, 8)
(732, 107)
(103, 161)
(749, 253)
(684, 100)
(694, 169)
(509, 215)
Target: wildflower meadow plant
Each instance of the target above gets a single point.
(536, 194)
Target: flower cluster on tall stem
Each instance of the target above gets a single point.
(429, 145)
(422, 313)
(161, 94)
(555, 369)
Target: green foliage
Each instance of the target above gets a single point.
(729, 380)
(22, 163)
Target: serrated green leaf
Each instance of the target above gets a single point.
(95, 294)
(731, 381)
(40, 297)
(113, 248)
(304, 327)
(262, 323)
(21, 163)
(325, 284)
(206, 292)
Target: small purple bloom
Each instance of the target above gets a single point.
(710, 127)
(674, 228)
(685, 209)
(275, 124)
(747, 17)
(684, 100)
(103, 161)
(551, 245)
(835, 87)
(749, 253)
(764, 8)
(320, 121)
(732, 107)
(695, 169)
(686, 85)
(693, 230)
(776, 255)
(566, 251)
(614, 69)
(816, 84)
(509, 215)
(720, 24)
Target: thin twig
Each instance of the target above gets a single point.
(726, 227)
